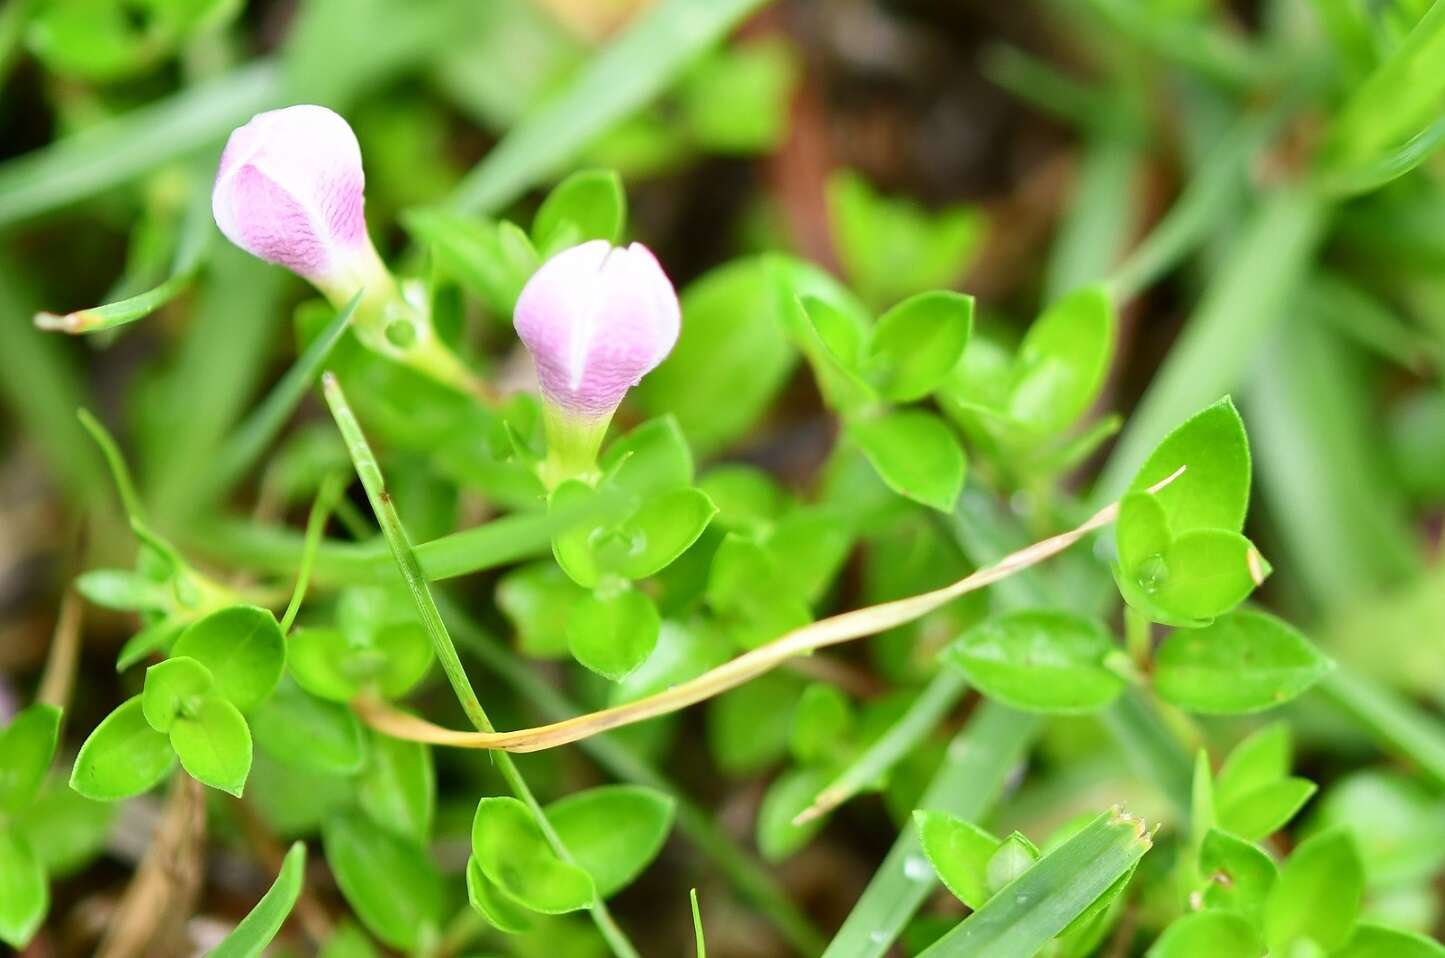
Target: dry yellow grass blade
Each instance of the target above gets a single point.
(817, 635)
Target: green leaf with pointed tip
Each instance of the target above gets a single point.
(1208, 934)
(916, 343)
(1317, 895)
(613, 831)
(1246, 661)
(1237, 874)
(916, 455)
(1373, 941)
(1040, 660)
(214, 744)
(1063, 359)
(398, 786)
(1265, 810)
(172, 687)
(788, 795)
(24, 892)
(959, 852)
(512, 853)
(654, 457)
(1213, 491)
(588, 205)
(1262, 758)
(299, 729)
(500, 912)
(27, 745)
(389, 881)
(1207, 572)
(122, 757)
(663, 528)
(250, 938)
(613, 632)
(243, 648)
(833, 338)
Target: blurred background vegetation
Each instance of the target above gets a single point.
(1014, 151)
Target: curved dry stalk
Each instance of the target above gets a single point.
(825, 632)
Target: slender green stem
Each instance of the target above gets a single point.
(697, 925)
(972, 776)
(1138, 636)
(369, 471)
(747, 875)
(119, 471)
(1397, 724)
(326, 497)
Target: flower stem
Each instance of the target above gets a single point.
(369, 472)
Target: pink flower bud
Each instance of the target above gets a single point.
(596, 319)
(289, 190)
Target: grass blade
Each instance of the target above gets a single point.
(250, 938)
(113, 152)
(1028, 912)
(622, 78)
(1396, 723)
(971, 778)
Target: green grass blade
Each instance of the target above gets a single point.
(1395, 103)
(1028, 912)
(971, 778)
(1401, 727)
(118, 150)
(622, 78)
(250, 938)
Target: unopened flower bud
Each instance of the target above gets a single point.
(596, 319)
(289, 190)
